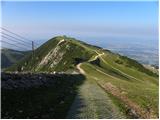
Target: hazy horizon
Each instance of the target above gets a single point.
(43, 20)
(111, 25)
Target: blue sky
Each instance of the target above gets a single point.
(43, 20)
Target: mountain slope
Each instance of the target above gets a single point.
(62, 53)
(56, 54)
(132, 87)
(10, 57)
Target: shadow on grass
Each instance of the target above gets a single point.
(51, 101)
(76, 109)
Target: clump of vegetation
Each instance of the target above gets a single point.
(119, 61)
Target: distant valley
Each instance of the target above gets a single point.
(145, 52)
(143, 55)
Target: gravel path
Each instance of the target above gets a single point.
(92, 102)
(80, 69)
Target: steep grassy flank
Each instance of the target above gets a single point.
(58, 54)
(123, 63)
(142, 94)
(62, 53)
(108, 62)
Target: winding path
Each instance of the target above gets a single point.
(92, 102)
(80, 69)
(100, 55)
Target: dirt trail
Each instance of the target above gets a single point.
(92, 102)
(80, 69)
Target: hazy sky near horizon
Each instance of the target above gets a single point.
(43, 20)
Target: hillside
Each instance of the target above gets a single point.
(62, 53)
(125, 88)
(10, 57)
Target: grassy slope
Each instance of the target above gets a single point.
(140, 85)
(143, 92)
(71, 52)
(137, 83)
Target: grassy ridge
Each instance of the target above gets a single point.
(126, 80)
(70, 49)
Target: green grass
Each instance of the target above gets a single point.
(144, 93)
(72, 49)
(128, 70)
(139, 84)
(121, 106)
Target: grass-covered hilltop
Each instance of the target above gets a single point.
(115, 86)
(58, 54)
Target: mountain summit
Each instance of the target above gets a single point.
(58, 54)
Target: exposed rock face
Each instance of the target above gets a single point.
(54, 56)
(29, 80)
